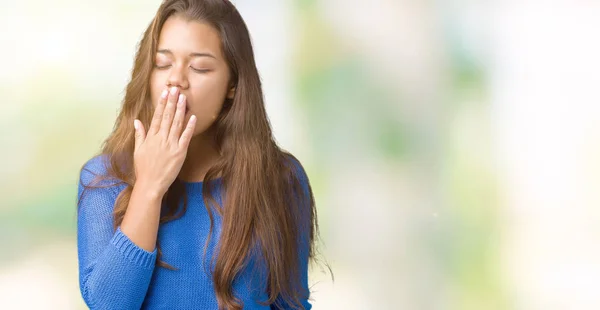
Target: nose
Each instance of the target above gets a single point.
(178, 78)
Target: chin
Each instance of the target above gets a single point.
(199, 132)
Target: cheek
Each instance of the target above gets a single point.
(208, 96)
(206, 105)
(156, 87)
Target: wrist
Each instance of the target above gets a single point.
(148, 190)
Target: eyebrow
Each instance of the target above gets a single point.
(167, 51)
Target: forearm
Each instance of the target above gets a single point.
(142, 217)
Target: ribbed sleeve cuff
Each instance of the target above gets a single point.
(132, 252)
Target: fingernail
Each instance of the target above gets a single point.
(181, 99)
(164, 93)
(135, 124)
(173, 90)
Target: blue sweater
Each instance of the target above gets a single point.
(115, 273)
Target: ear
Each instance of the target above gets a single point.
(231, 93)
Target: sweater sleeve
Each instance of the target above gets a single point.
(114, 273)
(303, 242)
(280, 303)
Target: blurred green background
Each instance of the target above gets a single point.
(452, 145)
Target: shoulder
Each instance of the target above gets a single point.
(97, 189)
(297, 177)
(295, 167)
(94, 172)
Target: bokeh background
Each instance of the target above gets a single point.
(453, 146)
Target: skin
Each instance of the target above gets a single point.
(188, 88)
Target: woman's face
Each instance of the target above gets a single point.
(189, 57)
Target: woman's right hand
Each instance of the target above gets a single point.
(160, 153)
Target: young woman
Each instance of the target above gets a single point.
(191, 204)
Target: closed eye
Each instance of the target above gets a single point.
(200, 70)
(161, 67)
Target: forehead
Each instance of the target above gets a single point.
(183, 37)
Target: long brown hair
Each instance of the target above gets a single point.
(268, 202)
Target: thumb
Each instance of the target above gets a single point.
(140, 133)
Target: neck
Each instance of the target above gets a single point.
(202, 154)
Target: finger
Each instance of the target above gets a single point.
(178, 120)
(158, 112)
(187, 134)
(167, 117)
(140, 133)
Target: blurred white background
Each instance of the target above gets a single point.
(453, 146)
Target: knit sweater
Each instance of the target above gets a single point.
(115, 273)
